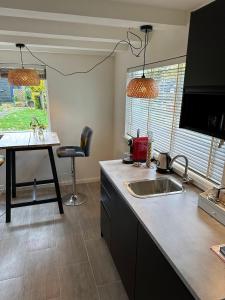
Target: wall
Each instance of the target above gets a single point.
(164, 44)
(74, 102)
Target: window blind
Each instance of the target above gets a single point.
(162, 117)
(216, 162)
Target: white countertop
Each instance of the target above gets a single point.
(182, 231)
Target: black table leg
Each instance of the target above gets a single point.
(55, 178)
(8, 184)
(13, 174)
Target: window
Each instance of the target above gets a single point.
(19, 104)
(162, 116)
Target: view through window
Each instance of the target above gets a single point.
(20, 104)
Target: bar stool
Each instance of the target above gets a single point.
(76, 151)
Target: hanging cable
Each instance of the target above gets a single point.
(21, 57)
(146, 42)
(132, 47)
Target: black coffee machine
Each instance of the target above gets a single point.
(128, 159)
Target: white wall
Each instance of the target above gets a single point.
(74, 102)
(165, 44)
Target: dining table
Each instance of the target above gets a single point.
(14, 142)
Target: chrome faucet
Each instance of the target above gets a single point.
(185, 176)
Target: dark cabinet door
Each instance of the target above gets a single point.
(124, 243)
(123, 234)
(155, 278)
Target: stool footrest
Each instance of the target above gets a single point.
(29, 183)
(36, 202)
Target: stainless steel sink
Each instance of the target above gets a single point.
(156, 187)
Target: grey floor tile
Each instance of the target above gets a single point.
(89, 217)
(95, 190)
(77, 283)
(101, 262)
(70, 249)
(45, 212)
(12, 258)
(68, 223)
(11, 289)
(41, 235)
(19, 225)
(41, 276)
(112, 291)
(90, 226)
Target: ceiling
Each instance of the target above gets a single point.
(172, 4)
(84, 26)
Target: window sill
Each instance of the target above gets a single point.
(20, 131)
(14, 131)
(197, 180)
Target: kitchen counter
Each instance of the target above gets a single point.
(183, 232)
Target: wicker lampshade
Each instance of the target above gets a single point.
(23, 77)
(142, 88)
(2, 160)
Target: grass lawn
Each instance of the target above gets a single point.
(21, 118)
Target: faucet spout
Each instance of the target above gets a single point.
(185, 175)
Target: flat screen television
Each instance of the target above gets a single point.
(204, 111)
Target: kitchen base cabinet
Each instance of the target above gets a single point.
(144, 271)
(155, 278)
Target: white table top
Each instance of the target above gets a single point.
(28, 139)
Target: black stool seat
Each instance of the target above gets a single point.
(70, 151)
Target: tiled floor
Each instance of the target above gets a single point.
(44, 255)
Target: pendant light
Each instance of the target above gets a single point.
(23, 77)
(145, 88)
(2, 159)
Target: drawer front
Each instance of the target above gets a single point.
(106, 200)
(105, 225)
(108, 185)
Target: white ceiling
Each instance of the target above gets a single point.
(74, 26)
(172, 4)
